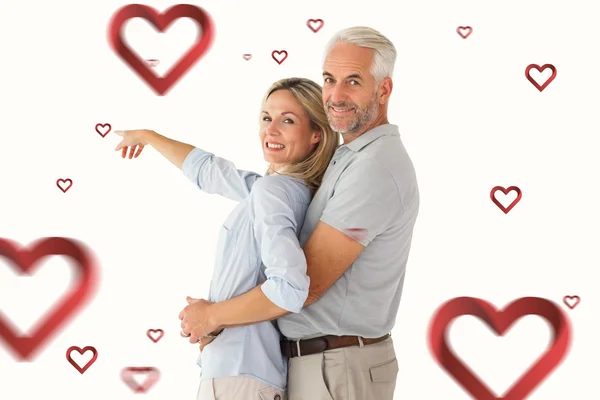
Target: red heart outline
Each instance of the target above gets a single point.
(505, 191)
(279, 52)
(153, 62)
(25, 261)
(58, 181)
(98, 126)
(576, 298)
(82, 351)
(500, 322)
(127, 377)
(540, 69)
(461, 28)
(149, 331)
(357, 234)
(161, 22)
(308, 23)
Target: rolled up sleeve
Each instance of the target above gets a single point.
(275, 229)
(216, 175)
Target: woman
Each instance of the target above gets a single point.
(258, 242)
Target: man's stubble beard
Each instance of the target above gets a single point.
(361, 119)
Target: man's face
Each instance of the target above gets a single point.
(349, 89)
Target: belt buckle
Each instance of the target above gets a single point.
(298, 347)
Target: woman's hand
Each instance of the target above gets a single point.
(134, 140)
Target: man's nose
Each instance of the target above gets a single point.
(337, 94)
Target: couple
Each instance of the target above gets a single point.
(310, 264)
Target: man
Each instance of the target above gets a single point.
(356, 238)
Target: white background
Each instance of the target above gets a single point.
(467, 115)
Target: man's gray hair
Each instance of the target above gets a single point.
(385, 52)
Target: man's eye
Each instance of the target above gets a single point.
(328, 80)
(354, 81)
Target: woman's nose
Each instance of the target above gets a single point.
(272, 130)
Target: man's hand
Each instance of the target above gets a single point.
(195, 319)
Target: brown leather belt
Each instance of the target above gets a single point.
(289, 348)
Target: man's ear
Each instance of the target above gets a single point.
(386, 87)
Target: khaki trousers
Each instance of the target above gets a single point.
(365, 372)
(237, 388)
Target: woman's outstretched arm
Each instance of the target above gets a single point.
(135, 140)
(208, 172)
(174, 151)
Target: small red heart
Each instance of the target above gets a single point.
(313, 22)
(275, 52)
(151, 333)
(357, 234)
(505, 191)
(540, 69)
(82, 351)
(152, 375)
(460, 30)
(153, 62)
(103, 129)
(161, 22)
(62, 184)
(571, 301)
(247, 56)
(500, 322)
(26, 262)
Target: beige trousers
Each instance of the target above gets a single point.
(238, 388)
(350, 373)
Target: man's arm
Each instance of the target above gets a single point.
(366, 198)
(329, 253)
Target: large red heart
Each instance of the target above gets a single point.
(26, 263)
(161, 22)
(499, 321)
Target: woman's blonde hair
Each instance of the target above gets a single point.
(312, 167)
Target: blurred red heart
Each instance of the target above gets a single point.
(26, 262)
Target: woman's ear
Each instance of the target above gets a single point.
(317, 135)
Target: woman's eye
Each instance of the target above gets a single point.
(266, 119)
(287, 119)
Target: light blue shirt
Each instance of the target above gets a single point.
(258, 243)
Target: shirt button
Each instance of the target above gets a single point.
(333, 162)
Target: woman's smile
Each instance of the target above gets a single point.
(273, 146)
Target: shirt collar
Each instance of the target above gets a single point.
(382, 130)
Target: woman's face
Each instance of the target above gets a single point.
(285, 132)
